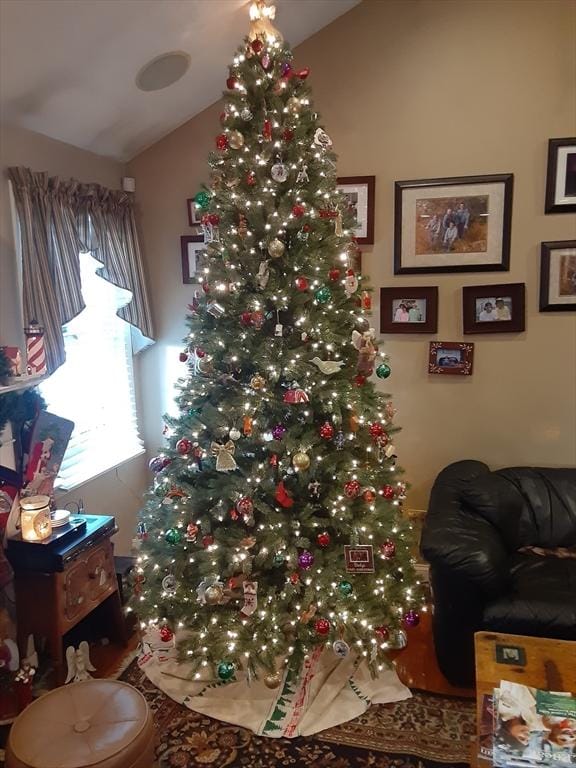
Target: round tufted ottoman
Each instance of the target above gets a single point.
(96, 723)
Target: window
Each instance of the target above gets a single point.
(95, 388)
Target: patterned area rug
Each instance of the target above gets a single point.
(426, 730)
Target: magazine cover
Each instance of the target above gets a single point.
(533, 727)
(48, 441)
(486, 728)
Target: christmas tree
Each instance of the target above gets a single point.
(274, 524)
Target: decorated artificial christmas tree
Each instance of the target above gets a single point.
(274, 526)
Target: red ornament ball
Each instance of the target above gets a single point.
(214, 219)
(231, 83)
(303, 73)
(369, 495)
(301, 283)
(246, 318)
(326, 431)
(298, 210)
(183, 356)
(388, 492)
(184, 446)
(376, 429)
(352, 489)
(334, 274)
(360, 380)
(205, 287)
(222, 141)
(250, 178)
(294, 578)
(288, 134)
(323, 539)
(166, 634)
(245, 505)
(257, 45)
(382, 633)
(207, 540)
(388, 549)
(322, 626)
(200, 352)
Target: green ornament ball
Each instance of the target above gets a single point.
(345, 588)
(279, 559)
(172, 536)
(225, 670)
(383, 371)
(323, 294)
(202, 199)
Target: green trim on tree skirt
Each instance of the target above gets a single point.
(263, 495)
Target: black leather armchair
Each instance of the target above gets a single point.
(477, 523)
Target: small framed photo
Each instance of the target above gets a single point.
(459, 224)
(194, 213)
(192, 248)
(359, 193)
(561, 176)
(359, 558)
(452, 358)
(409, 310)
(558, 276)
(494, 308)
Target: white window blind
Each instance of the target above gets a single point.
(95, 386)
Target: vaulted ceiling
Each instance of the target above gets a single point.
(68, 67)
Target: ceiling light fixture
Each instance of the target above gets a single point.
(162, 71)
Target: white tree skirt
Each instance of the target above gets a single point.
(326, 692)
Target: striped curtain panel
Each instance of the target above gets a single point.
(56, 221)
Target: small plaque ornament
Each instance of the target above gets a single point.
(359, 558)
(340, 648)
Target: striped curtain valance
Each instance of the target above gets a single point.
(57, 219)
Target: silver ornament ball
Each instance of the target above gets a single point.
(235, 139)
(276, 248)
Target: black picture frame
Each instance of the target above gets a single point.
(483, 249)
(561, 172)
(388, 310)
(366, 214)
(194, 213)
(510, 296)
(552, 296)
(190, 245)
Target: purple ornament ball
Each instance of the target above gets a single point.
(305, 560)
(412, 618)
(158, 463)
(278, 431)
(285, 69)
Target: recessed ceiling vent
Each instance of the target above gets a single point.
(163, 71)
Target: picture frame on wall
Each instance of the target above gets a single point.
(451, 358)
(494, 308)
(558, 276)
(194, 213)
(192, 248)
(561, 176)
(359, 192)
(409, 310)
(456, 224)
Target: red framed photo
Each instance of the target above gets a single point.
(451, 358)
(494, 308)
(359, 193)
(409, 310)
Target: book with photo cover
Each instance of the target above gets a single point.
(533, 728)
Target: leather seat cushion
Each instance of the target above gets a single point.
(541, 601)
(103, 723)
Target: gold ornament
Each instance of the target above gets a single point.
(276, 248)
(248, 542)
(301, 460)
(235, 139)
(261, 17)
(213, 595)
(272, 680)
(293, 105)
(257, 382)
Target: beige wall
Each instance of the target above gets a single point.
(117, 492)
(411, 89)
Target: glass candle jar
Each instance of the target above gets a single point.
(35, 521)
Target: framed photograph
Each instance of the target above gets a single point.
(194, 213)
(493, 308)
(457, 224)
(359, 192)
(558, 276)
(192, 248)
(561, 176)
(452, 358)
(409, 310)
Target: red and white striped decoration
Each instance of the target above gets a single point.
(35, 352)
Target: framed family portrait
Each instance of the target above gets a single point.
(494, 308)
(194, 213)
(409, 310)
(561, 176)
(459, 224)
(558, 276)
(359, 193)
(192, 248)
(452, 358)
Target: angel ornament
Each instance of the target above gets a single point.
(263, 275)
(79, 664)
(224, 456)
(364, 343)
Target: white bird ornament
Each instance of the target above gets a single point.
(328, 367)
